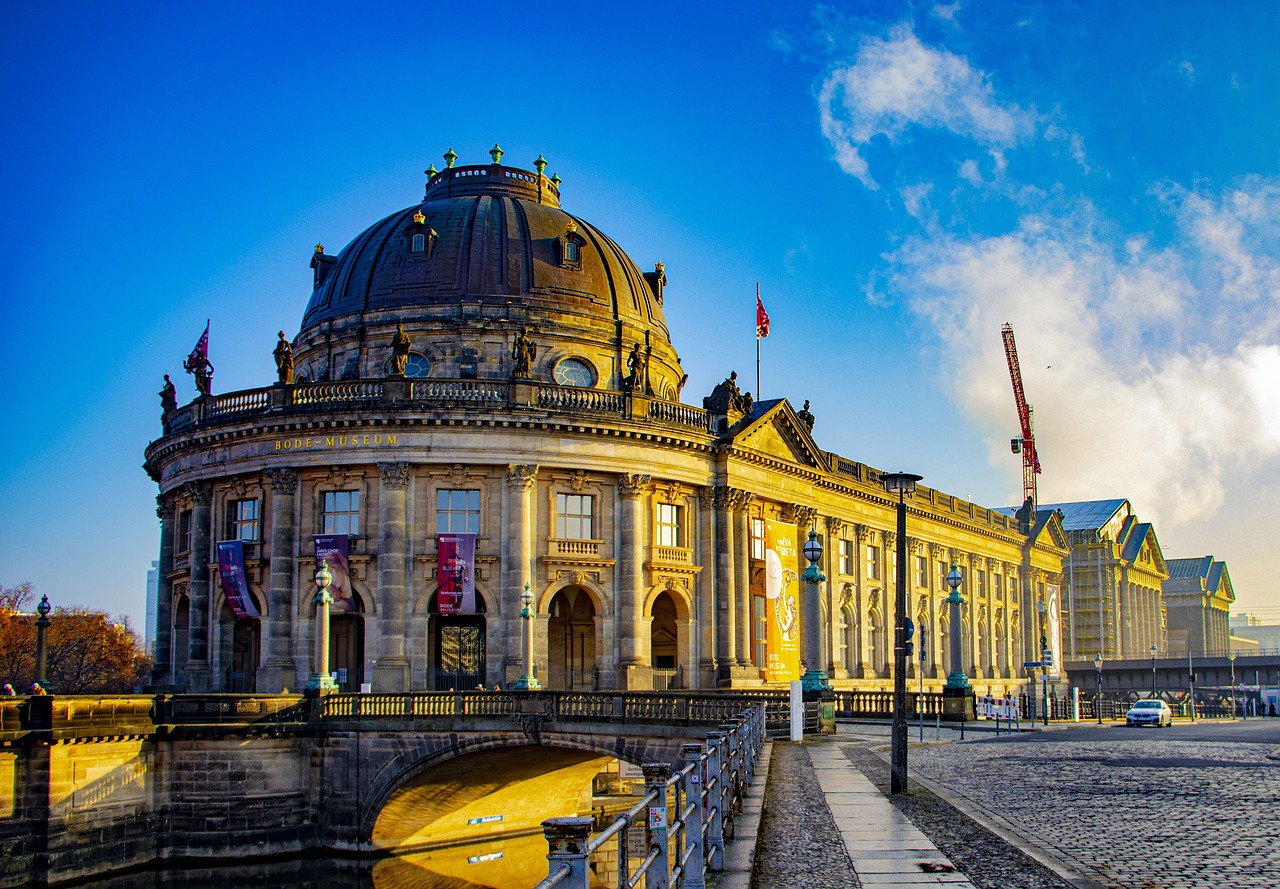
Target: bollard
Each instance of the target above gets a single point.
(658, 874)
(714, 781)
(937, 727)
(567, 847)
(693, 854)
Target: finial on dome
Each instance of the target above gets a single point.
(320, 248)
(496, 153)
(431, 171)
(571, 226)
(660, 266)
(556, 180)
(540, 164)
(450, 157)
(419, 218)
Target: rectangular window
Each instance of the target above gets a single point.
(242, 520)
(759, 627)
(457, 511)
(873, 563)
(184, 531)
(980, 582)
(669, 526)
(922, 571)
(340, 512)
(846, 557)
(757, 538)
(574, 516)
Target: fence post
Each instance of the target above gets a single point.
(693, 852)
(658, 875)
(567, 846)
(733, 768)
(713, 781)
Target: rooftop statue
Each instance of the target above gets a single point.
(524, 352)
(400, 345)
(284, 360)
(168, 396)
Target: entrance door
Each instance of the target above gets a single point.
(346, 650)
(243, 672)
(459, 646)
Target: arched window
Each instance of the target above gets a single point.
(419, 242)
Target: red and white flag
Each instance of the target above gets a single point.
(199, 356)
(762, 317)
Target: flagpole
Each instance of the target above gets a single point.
(759, 396)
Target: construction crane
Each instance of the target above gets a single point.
(1025, 443)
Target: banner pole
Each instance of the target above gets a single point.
(759, 395)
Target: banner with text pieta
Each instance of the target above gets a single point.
(782, 602)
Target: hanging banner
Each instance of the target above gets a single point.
(455, 558)
(332, 549)
(782, 602)
(235, 586)
(1053, 656)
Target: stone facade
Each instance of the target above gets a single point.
(636, 520)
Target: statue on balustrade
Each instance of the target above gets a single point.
(524, 351)
(400, 345)
(284, 360)
(805, 417)
(726, 397)
(168, 396)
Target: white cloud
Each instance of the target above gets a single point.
(896, 83)
(1155, 373)
(946, 11)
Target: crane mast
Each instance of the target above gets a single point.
(1026, 442)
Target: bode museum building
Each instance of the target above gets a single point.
(484, 397)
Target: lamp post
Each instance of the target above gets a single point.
(1191, 682)
(1153, 670)
(902, 484)
(1097, 665)
(42, 649)
(814, 679)
(1042, 610)
(1232, 659)
(527, 682)
(321, 682)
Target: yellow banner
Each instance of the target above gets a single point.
(782, 602)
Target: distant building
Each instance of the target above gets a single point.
(153, 586)
(1198, 597)
(1250, 626)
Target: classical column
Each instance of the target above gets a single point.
(707, 620)
(726, 599)
(742, 565)
(200, 591)
(632, 488)
(862, 612)
(832, 528)
(279, 671)
(518, 566)
(391, 674)
(162, 668)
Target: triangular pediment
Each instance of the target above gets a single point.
(779, 433)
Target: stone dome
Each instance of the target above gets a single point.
(487, 253)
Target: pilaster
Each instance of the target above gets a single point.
(279, 671)
(200, 590)
(391, 674)
(634, 671)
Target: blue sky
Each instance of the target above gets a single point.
(899, 179)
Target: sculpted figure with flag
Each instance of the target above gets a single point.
(198, 364)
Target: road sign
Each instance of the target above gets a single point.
(1031, 665)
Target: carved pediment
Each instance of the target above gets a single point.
(779, 433)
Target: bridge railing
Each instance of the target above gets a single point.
(705, 796)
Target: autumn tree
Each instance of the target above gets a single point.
(88, 652)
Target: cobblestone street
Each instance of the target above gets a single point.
(1142, 813)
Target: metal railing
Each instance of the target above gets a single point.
(705, 796)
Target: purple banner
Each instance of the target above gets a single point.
(234, 584)
(455, 570)
(332, 549)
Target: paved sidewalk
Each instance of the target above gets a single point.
(886, 848)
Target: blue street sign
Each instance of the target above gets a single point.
(1031, 665)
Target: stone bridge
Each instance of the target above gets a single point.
(90, 785)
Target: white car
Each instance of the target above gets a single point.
(1149, 712)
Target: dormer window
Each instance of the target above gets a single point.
(422, 238)
(571, 244)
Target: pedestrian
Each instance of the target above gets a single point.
(38, 689)
(8, 690)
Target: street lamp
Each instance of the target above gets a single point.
(527, 682)
(1232, 658)
(814, 679)
(957, 682)
(42, 649)
(321, 682)
(1097, 665)
(1153, 671)
(1042, 610)
(902, 484)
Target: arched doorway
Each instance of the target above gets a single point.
(571, 640)
(238, 647)
(879, 644)
(346, 641)
(456, 647)
(664, 643)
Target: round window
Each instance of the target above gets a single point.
(574, 372)
(416, 366)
